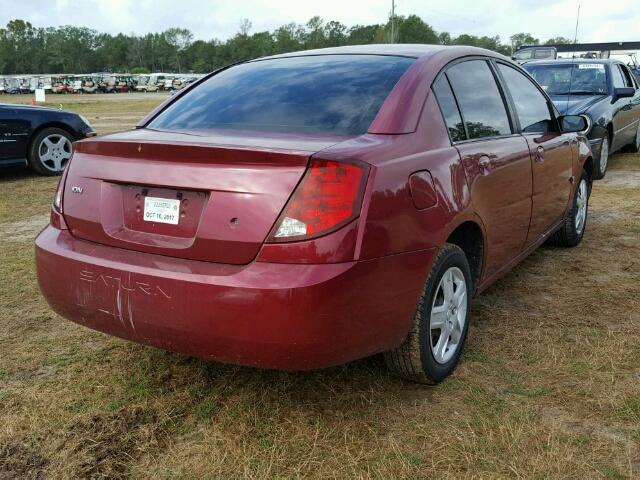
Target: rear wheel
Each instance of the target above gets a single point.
(50, 151)
(431, 350)
(572, 229)
(601, 165)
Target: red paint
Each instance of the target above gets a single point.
(215, 288)
(423, 192)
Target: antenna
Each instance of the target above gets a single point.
(393, 17)
(573, 56)
(575, 36)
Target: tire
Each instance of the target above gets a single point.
(50, 151)
(417, 359)
(634, 147)
(600, 169)
(572, 229)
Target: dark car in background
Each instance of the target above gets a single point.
(604, 90)
(40, 137)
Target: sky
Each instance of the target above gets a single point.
(614, 20)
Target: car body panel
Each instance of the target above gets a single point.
(231, 191)
(505, 211)
(265, 314)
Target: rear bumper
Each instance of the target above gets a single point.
(270, 315)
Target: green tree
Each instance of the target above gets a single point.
(520, 39)
(413, 30)
(558, 41)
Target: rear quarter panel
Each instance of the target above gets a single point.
(390, 222)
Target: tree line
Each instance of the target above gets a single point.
(69, 49)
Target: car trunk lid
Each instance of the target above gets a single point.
(212, 198)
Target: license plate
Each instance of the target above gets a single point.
(161, 210)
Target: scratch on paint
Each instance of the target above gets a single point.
(119, 305)
(92, 289)
(130, 306)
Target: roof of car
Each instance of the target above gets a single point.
(603, 61)
(401, 49)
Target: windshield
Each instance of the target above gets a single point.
(571, 79)
(316, 94)
(523, 54)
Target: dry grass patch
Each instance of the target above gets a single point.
(549, 385)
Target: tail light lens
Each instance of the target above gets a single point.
(56, 219)
(57, 198)
(328, 197)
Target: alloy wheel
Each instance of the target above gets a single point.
(448, 315)
(604, 155)
(582, 197)
(54, 152)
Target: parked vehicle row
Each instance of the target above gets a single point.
(95, 83)
(273, 216)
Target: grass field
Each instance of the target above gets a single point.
(548, 387)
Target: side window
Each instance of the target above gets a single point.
(479, 99)
(449, 109)
(616, 76)
(628, 82)
(531, 105)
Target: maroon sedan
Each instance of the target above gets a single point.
(308, 209)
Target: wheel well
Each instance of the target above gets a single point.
(468, 236)
(588, 167)
(610, 132)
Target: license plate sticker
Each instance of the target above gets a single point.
(161, 210)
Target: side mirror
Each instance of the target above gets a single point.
(573, 123)
(623, 93)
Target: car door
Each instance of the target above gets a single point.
(496, 160)
(631, 111)
(621, 108)
(14, 134)
(551, 154)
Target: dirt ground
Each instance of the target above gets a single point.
(548, 387)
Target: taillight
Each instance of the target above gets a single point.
(328, 197)
(56, 219)
(57, 198)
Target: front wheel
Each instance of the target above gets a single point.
(572, 229)
(432, 348)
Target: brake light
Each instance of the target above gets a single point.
(56, 219)
(328, 197)
(57, 198)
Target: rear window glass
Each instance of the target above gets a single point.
(317, 94)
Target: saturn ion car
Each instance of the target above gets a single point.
(308, 209)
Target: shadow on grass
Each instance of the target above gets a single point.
(210, 386)
(17, 172)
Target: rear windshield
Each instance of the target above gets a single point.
(570, 79)
(316, 94)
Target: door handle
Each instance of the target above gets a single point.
(484, 165)
(539, 156)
